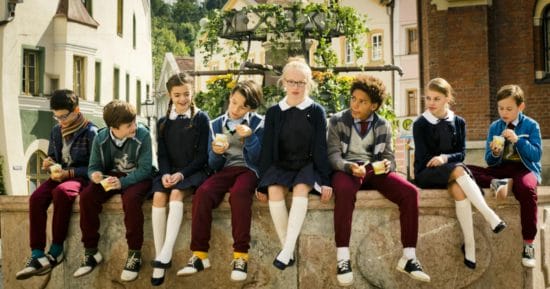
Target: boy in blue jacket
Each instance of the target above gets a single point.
(515, 165)
(120, 163)
(68, 154)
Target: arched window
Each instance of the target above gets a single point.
(35, 174)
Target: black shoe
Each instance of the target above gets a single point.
(468, 263)
(34, 266)
(501, 226)
(528, 256)
(89, 263)
(344, 275)
(240, 269)
(412, 268)
(157, 281)
(279, 264)
(131, 268)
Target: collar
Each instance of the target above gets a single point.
(369, 119)
(302, 105)
(434, 120)
(226, 118)
(515, 121)
(173, 114)
(118, 142)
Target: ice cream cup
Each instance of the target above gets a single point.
(56, 170)
(379, 167)
(499, 141)
(106, 184)
(220, 139)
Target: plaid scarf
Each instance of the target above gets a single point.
(79, 122)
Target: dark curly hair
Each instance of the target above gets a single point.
(372, 86)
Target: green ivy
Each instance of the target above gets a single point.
(283, 28)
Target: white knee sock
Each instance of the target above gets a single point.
(464, 216)
(175, 216)
(472, 191)
(158, 219)
(279, 214)
(296, 217)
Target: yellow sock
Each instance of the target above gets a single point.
(201, 255)
(237, 255)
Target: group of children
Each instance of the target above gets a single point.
(243, 153)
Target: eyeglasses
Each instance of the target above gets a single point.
(293, 83)
(62, 117)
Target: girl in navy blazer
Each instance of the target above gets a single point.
(294, 157)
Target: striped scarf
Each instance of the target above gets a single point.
(79, 122)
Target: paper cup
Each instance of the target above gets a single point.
(379, 167)
(499, 141)
(220, 137)
(106, 184)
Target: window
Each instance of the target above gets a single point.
(35, 174)
(349, 53)
(116, 84)
(88, 5)
(97, 82)
(119, 17)
(412, 41)
(33, 71)
(79, 76)
(376, 47)
(411, 102)
(138, 96)
(127, 87)
(134, 31)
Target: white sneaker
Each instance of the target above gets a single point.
(240, 269)
(344, 274)
(88, 264)
(528, 257)
(34, 266)
(412, 268)
(194, 265)
(131, 268)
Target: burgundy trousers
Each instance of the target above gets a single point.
(524, 188)
(62, 195)
(91, 205)
(391, 185)
(241, 183)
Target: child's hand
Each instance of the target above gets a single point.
(96, 177)
(261, 197)
(326, 193)
(61, 176)
(219, 149)
(387, 164)
(357, 170)
(496, 149)
(166, 181)
(436, 162)
(510, 135)
(175, 178)
(243, 130)
(47, 162)
(115, 183)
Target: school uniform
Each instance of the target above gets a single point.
(521, 163)
(183, 148)
(236, 173)
(294, 149)
(434, 137)
(345, 146)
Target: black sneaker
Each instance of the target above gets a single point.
(240, 269)
(194, 265)
(54, 261)
(34, 266)
(344, 274)
(131, 269)
(413, 268)
(88, 264)
(528, 257)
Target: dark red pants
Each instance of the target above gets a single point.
(392, 186)
(241, 183)
(91, 204)
(524, 188)
(62, 195)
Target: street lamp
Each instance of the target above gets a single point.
(149, 106)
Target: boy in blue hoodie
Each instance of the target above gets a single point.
(515, 165)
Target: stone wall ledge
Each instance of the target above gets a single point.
(375, 248)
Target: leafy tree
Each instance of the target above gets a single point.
(164, 40)
(214, 4)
